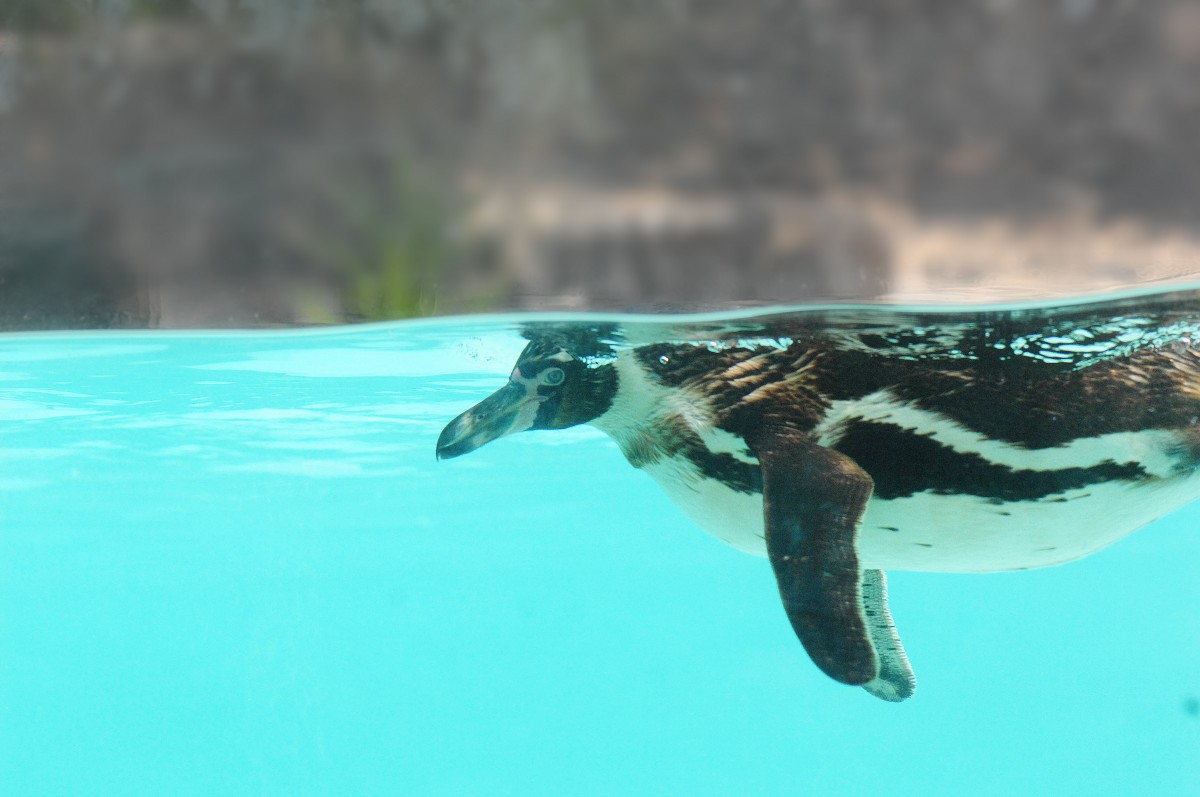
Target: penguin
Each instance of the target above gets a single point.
(844, 442)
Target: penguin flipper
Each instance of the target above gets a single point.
(896, 681)
(813, 500)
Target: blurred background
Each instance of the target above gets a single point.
(245, 163)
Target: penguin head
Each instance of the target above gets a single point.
(549, 388)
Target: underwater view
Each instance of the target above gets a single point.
(232, 562)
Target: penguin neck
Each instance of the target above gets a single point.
(647, 419)
(638, 400)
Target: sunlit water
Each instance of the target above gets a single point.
(230, 564)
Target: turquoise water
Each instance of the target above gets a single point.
(230, 564)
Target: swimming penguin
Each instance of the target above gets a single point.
(842, 443)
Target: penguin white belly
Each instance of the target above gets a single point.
(949, 533)
(938, 531)
(729, 515)
(969, 534)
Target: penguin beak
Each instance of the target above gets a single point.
(509, 410)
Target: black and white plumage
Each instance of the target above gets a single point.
(842, 443)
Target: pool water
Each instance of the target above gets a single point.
(230, 564)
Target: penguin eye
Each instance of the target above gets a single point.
(553, 376)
